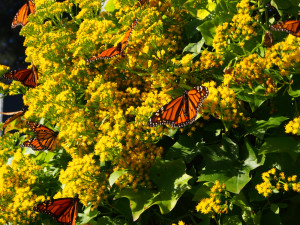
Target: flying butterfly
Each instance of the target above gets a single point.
(290, 26)
(28, 77)
(181, 111)
(44, 139)
(21, 18)
(63, 210)
(117, 50)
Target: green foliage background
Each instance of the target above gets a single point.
(128, 173)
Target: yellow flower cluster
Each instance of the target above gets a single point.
(240, 30)
(223, 104)
(215, 203)
(83, 177)
(17, 198)
(274, 180)
(293, 126)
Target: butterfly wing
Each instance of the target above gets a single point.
(21, 18)
(63, 210)
(44, 139)
(127, 36)
(12, 118)
(182, 110)
(289, 26)
(28, 77)
(34, 144)
(117, 50)
(106, 54)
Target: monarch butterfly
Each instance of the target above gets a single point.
(63, 210)
(182, 110)
(290, 26)
(28, 77)
(21, 18)
(14, 115)
(117, 50)
(44, 139)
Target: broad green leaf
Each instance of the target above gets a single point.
(223, 164)
(255, 99)
(183, 148)
(261, 126)
(286, 144)
(115, 175)
(208, 31)
(195, 48)
(139, 201)
(171, 182)
(110, 7)
(88, 215)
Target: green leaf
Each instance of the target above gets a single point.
(171, 182)
(110, 7)
(183, 148)
(281, 144)
(274, 208)
(255, 99)
(115, 175)
(208, 31)
(195, 48)
(223, 164)
(88, 215)
(261, 126)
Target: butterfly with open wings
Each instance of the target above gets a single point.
(181, 111)
(290, 26)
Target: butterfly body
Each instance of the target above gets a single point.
(63, 210)
(21, 18)
(290, 26)
(117, 50)
(28, 77)
(181, 111)
(44, 139)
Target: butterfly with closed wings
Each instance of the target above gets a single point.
(63, 210)
(181, 111)
(44, 139)
(21, 18)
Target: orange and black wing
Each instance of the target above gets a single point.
(44, 139)
(117, 50)
(63, 210)
(34, 144)
(21, 18)
(289, 26)
(28, 77)
(181, 111)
